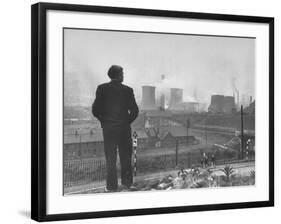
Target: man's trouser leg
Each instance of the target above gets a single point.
(110, 146)
(125, 155)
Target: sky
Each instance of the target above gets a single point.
(203, 64)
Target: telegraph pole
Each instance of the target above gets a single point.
(80, 143)
(206, 137)
(187, 126)
(242, 133)
(177, 149)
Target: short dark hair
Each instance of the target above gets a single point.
(114, 71)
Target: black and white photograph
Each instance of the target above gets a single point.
(153, 111)
(141, 111)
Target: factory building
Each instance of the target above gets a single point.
(190, 107)
(229, 105)
(222, 104)
(251, 108)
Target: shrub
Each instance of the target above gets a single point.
(228, 171)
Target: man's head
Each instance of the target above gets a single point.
(115, 72)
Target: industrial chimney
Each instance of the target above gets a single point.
(148, 98)
(176, 98)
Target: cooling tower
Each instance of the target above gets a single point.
(229, 104)
(217, 102)
(148, 98)
(176, 98)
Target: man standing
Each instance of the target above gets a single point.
(213, 160)
(115, 107)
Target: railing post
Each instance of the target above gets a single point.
(135, 144)
(189, 159)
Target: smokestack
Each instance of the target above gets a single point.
(176, 97)
(238, 103)
(251, 99)
(195, 94)
(148, 98)
(235, 90)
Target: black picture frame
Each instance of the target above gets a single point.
(39, 122)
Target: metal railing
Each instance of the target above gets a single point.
(84, 171)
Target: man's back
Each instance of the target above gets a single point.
(115, 105)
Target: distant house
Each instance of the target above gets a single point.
(83, 146)
(90, 145)
(168, 136)
(167, 140)
(180, 134)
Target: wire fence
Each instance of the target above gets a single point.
(83, 171)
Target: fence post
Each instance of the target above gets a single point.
(103, 169)
(94, 170)
(165, 159)
(189, 160)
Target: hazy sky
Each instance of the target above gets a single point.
(207, 64)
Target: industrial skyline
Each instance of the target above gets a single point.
(189, 90)
(201, 66)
